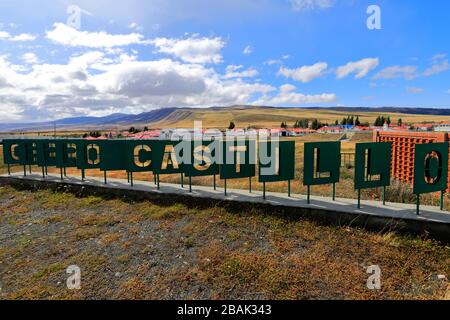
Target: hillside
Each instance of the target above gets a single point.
(220, 117)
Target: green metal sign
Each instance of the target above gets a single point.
(166, 160)
(231, 159)
(203, 161)
(322, 163)
(239, 159)
(47, 152)
(372, 165)
(66, 153)
(430, 167)
(139, 155)
(276, 162)
(13, 151)
(89, 154)
(113, 155)
(203, 154)
(430, 170)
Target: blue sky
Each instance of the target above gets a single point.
(136, 56)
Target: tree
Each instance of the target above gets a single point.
(316, 124)
(145, 128)
(231, 126)
(336, 123)
(357, 122)
(95, 134)
(399, 122)
(344, 121)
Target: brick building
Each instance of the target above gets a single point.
(402, 166)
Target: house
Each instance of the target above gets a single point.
(331, 129)
(442, 127)
(423, 126)
(300, 131)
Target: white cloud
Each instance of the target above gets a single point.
(287, 88)
(438, 57)
(300, 5)
(193, 50)
(67, 36)
(414, 90)
(361, 68)
(97, 83)
(406, 72)
(135, 26)
(18, 38)
(30, 58)
(437, 67)
(271, 62)
(305, 73)
(232, 72)
(247, 50)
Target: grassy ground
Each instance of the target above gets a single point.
(164, 250)
(266, 118)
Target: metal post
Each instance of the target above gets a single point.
(157, 181)
(29, 168)
(190, 184)
(9, 170)
(250, 184)
(384, 195)
(225, 186)
(442, 200)
(264, 191)
(43, 173)
(308, 195)
(131, 179)
(334, 191)
(418, 203)
(65, 172)
(215, 187)
(25, 171)
(359, 198)
(61, 172)
(104, 176)
(83, 175)
(128, 177)
(289, 188)
(46, 170)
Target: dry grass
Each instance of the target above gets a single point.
(268, 118)
(159, 250)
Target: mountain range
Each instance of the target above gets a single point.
(220, 117)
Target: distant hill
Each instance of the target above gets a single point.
(219, 117)
(406, 110)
